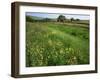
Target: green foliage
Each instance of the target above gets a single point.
(61, 18)
(72, 19)
(52, 43)
(29, 19)
(77, 19)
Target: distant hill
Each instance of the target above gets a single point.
(36, 18)
(43, 19)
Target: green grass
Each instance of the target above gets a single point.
(54, 43)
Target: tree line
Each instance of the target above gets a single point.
(61, 18)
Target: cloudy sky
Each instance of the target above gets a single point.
(55, 15)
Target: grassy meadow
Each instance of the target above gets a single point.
(56, 43)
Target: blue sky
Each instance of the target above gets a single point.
(55, 15)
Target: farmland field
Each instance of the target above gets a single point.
(56, 43)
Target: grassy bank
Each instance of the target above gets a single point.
(54, 43)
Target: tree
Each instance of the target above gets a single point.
(72, 19)
(29, 19)
(77, 19)
(61, 18)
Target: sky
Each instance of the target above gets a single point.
(55, 15)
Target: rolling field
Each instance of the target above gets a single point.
(55, 43)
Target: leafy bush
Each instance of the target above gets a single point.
(29, 19)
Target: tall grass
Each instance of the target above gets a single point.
(51, 44)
